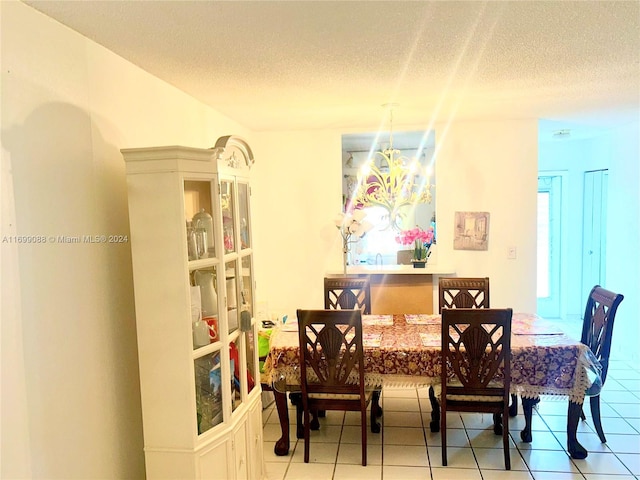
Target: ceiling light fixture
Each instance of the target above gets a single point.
(393, 182)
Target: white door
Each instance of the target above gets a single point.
(594, 221)
(549, 243)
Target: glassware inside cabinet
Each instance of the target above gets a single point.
(200, 235)
(251, 359)
(228, 224)
(204, 307)
(246, 286)
(236, 387)
(208, 383)
(232, 295)
(243, 207)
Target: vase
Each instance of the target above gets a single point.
(419, 263)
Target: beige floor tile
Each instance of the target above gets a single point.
(318, 453)
(335, 417)
(486, 439)
(493, 459)
(425, 405)
(558, 423)
(269, 456)
(548, 461)
(613, 396)
(557, 476)
(394, 404)
(622, 443)
(392, 472)
(626, 410)
(357, 472)
(353, 418)
(631, 461)
(403, 436)
(453, 420)
(275, 471)
(541, 441)
(449, 473)
(599, 476)
(590, 441)
(602, 463)
(456, 437)
(478, 421)
(402, 419)
(351, 453)
(310, 471)
(457, 457)
(405, 455)
(353, 434)
(271, 432)
(505, 475)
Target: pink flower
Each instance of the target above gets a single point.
(407, 237)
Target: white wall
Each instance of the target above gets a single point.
(70, 395)
(480, 166)
(623, 237)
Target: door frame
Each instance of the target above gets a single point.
(564, 237)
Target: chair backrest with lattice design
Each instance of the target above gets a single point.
(331, 351)
(476, 348)
(597, 327)
(457, 292)
(347, 293)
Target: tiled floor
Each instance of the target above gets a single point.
(406, 449)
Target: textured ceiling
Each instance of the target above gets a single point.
(332, 64)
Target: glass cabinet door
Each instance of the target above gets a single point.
(243, 208)
(236, 368)
(200, 234)
(228, 222)
(208, 381)
(204, 306)
(233, 315)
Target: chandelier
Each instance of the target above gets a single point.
(392, 181)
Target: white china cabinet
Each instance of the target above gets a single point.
(191, 244)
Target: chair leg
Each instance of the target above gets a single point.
(376, 411)
(296, 399)
(434, 426)
(375, 426)
(363, 431)
(505, 438)
(527, 407)
(595, 414)
(306, 434)
(443, 434)
(375, 402)
(497, 423)
(315, 423)
(513, 408)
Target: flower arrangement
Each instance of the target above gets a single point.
(421, 240)
(353, 227)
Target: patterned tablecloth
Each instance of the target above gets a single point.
(404, 350)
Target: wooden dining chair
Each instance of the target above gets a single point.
(456, 292)
(332, 367)
(476, 367)
(597, 330)
(347, 293)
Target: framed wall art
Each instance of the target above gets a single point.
(471, 231)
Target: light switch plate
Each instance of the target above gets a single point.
(512, 253)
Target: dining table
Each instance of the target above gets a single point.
(404, 350)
